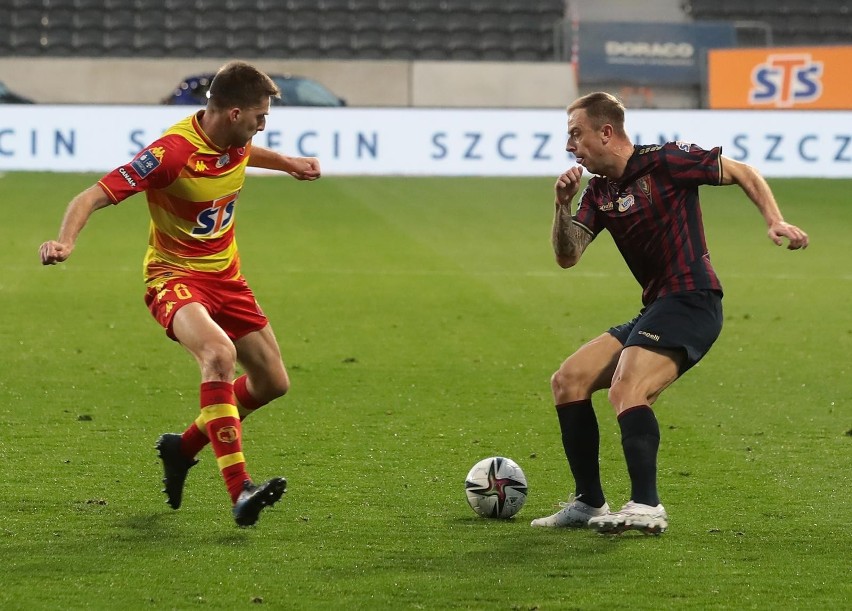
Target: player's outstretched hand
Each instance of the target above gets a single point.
(568, 184)
(53, 252)
(304, 168)
(798, 238)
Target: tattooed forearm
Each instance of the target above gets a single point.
(568, 239)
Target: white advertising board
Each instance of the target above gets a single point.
(430, 142)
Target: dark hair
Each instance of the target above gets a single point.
(601, 108)
(240, 85)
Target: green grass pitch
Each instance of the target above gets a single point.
(420, 319)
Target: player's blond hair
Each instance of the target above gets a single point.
(601, 108)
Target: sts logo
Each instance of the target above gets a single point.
(217, 217)
(785, 80)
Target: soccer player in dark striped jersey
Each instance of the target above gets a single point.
(647, 198)
(192, 177)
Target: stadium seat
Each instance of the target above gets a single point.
(118, 43)
(27, 18)
(336, 43)
(88, 43)
(369, 21)
(430, 21)
(367, 44)
(336, 21)
(212, 42)
(150, 42)
(181, 21)
(180, 44)
(397, 45)
(25, 41)
(253, 43)
(399, 21)
(303, 44)
(119, 20)
(243, 20)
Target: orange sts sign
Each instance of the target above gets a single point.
(780, 78)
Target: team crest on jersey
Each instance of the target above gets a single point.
(684, 146)
(147, 162)
(223, 160)
(624, 203)
(643, 184)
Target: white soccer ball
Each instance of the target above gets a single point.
(496, 487)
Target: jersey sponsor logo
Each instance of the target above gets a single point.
(606, 207)
(126, 175)
(146, 163)
(786, 79)
(624, 203)
(684, 146)
(217, 217)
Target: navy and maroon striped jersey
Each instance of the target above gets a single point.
(654, 216)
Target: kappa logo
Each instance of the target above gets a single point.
(200, 166)
(786, 79)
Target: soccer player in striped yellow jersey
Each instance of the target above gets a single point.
(192, 177)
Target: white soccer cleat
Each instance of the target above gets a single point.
(574, 514)
(633, 516)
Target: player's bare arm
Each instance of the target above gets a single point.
(301, 168)
(758, 191)
(76, 215)
(569, 241)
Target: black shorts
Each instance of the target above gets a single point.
(689, 321)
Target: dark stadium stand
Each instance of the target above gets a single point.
(790, 22)
(502, 30)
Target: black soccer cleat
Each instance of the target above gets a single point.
(254, 498)
(175, 467)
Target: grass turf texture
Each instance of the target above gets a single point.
(420, 320)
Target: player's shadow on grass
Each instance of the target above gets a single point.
(161, 526)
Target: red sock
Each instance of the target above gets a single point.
(222, 421)
(245, 401)
(195, 437)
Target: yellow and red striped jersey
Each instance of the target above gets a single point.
(192, 188)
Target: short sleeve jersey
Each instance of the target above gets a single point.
(192, 188)
(654, 216)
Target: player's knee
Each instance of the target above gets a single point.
(566, 383)
(279, 387)
(218, 359)
(622, 395)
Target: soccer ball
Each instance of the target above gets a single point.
(496, 487)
